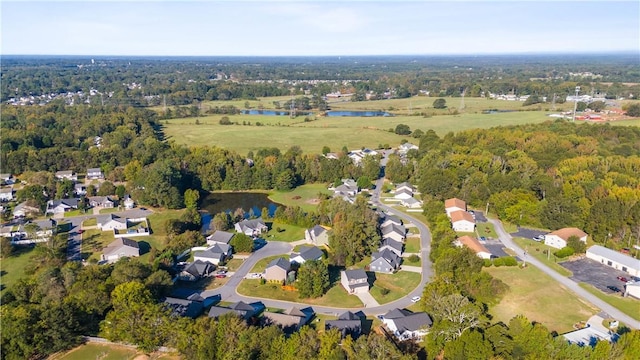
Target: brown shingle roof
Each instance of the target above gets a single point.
(461, 215)
(455, 202)
(473, 244)
(566, 233)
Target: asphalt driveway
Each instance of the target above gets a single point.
(596, 274)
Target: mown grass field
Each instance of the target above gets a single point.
(305, 196)
(537, 296)
(286, 232)
(398, 284)
(12, 267)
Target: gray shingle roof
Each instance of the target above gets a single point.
(413, 322)
(220, 237)
(280, 262)
(355, 274)
(311, 253)
(613, 255)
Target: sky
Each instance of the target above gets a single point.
(317, 28)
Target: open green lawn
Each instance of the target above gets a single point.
(234, 264)
(336, 296)
(486, 230)
(398, 284)
(287, 232)
(109, 210)
(90, 222)
(262, 264)
(536, 249)
(12, 267)
(94, 240)
(537, 296)
(405, 261)
(158, 218)
(74, 213)
(627, 305)
(305, 196)
(412, 245)
(93, 351)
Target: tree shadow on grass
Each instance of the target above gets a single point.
(144, 246)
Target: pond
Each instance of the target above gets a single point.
(272, 112)
(228, 202)
(357, 113)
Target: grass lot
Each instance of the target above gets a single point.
(158, 218)
(90, 222)
(94, 240)
(538, 297)
(412, 245)
(305, 196)
(109, 210)
(405, 261)
(74, 213)
(536, 249)
(627, 305)
(486, 230)
(12, 267)
(336, 296)
(107, 352)
(399, 284)
(234, 264)
(288, 232)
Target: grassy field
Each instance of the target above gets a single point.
(336, 296)
(94, 240)
(399, 284)
(536, 250)
(628, 306)
(287, 232)
(12, 267)
(538, 297)
(412, 245)
(107, 352)
(305, 196)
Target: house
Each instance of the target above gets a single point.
(385, 261)
(7, 179)
(404, 148)
(348, 188)
(332, 156)
(632, 289)
(184, 307)
(61, 206)
(411, 203)
(393, 231)
(455, 204)
(405, 186)
(354, 281)
(407, 325)
(24, 209)
(394, 246)
(277, 270)
(307, 253)
(242, 309)
(196, 271)
(67, 174)
(290, 321)
(101, 201)
(215, 255)
(94, 174)
(403, 194)
(111, 222)
(357, 155)
(80, 189)
(219, 237)
(31, 232)
(253, 228)
(614, 259)
(475, 246)
(558, 239)
(6, 194)
(462, 221)
(588, 336)
(347, 323)
(390, 219)
(317, 235)
(128, 203)
(119, 248)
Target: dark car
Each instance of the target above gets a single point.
(613, 288)
(622, 278)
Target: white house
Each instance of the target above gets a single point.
(404, 148)
(253, 227)
(393, 231)
(558, 239)
(67, 174)
(403, 194)
(462, 221)
(23, 209)
(110, 222)
(406, 325)
(473, 244)
(6, 194)
(219, 237)
(355, 281)
(62, 205)
(454, 204)
(129, 203)
(405, 186)
(411, 203)
(119, 248)
(214, 255)
(614, 259)
(317, 235)
(390, 219)
(307, 253)
(348, 188)
(94, 174)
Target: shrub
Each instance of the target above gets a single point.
(384, 291)
(414, 258)
(510, 261)
(498, 262)
(487, 263)
(564, 252)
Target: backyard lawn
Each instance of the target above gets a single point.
(398, 284)
(287, 232)
(538, 297)
(305, 196)
(336, 296)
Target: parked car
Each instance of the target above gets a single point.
(221, 276)
(622, 278)
(415, 299)
(483, 238)
(613, 288)
(538, 238)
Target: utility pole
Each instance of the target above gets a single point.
(486, 210)
(575, 104)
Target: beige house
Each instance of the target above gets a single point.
(277, 270)
(120, 248)
(354, 281)
(317, 235)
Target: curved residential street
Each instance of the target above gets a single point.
(506, 239)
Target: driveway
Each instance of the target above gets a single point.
(367, 300)
(596, 274)
(528, 233)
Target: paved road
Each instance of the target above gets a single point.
(566, 282)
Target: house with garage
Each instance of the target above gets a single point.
(307, 253)
(94, 174)
(67, 174)
(196, 271)
(393, 231)
(347, 324)
(119, 248)
(61, 206)
(6, 194)
(394, 246)
(253, 227)
(24, 209)
(472, 243)
(406, 325)
(101, 201)
(355, 281)
(215, 255)
(385, 261)
(558, 239)
(462, 221)
(289, 321)
(390, 220)
(454, 204)
(402, 194)
(240, 308)
(317, 236)
(111, 222)
(411, 203)
(614, 259)
(349, 188)
(277, 270)
(219, 237)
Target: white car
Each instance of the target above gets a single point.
(415, 299)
